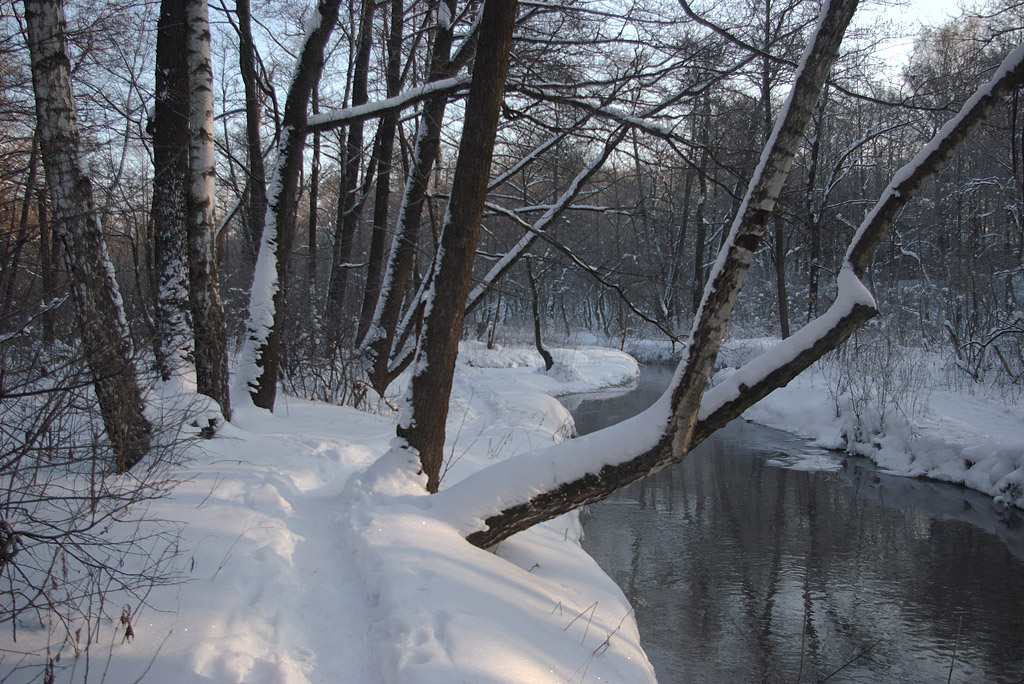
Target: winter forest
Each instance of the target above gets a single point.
(267, 270)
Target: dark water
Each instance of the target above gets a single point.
(741, 571)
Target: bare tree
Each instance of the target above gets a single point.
(423, 426)
(99, 308)
(689, 414)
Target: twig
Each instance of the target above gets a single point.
(956, 643)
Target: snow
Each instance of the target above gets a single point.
(400, 101)
(968, 436)
(311, 553)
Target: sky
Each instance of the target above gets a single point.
(911, 14)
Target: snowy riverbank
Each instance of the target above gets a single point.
(308, 558)
(910, 422)
(303, 562)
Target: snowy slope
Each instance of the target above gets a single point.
(308, 557)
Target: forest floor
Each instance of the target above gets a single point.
(304, 559)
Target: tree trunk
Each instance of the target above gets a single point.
(780, 276)
(348, 202)
(170, 131)
(48, 257)
(261, 355)
(535, 308)
(700, 236)
(385, 153)
(380, 341)
(423, 427)
(256, 184)
(106, 340)
(211, 354)
(10, 275)
(311, 226)
(814, 209)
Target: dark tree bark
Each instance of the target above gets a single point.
(424, 426)
(210, 349)
(814, 212)
(10, 275)
(105, 338)
(169, 128)
(49, 249)
(348, 202)
(311, 226)
(384, 153)
(782, 294)
(262, 353)
(380, 341)
(535, 308)
(701, 230)
(256, 184)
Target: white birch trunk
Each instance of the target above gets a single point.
(204, 291)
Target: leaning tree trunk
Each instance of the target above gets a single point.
(683, 420)
(211, 355)
(261, 355)
(381, 338)
(106, 339)
(642, 454)
(423, 427)
(169, 128)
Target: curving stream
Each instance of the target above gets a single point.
(760, 559)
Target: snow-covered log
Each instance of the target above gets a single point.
(516, 494)
(668, 435)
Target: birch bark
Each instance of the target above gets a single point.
(211, 358)
(106, 339)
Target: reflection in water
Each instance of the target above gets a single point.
(744, 572)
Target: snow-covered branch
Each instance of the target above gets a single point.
(514, 495)
(340, 117)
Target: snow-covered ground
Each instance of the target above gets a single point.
(307, 557)
(969, 435)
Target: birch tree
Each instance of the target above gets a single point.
(513, 495)
(106, 339)
(211, 356)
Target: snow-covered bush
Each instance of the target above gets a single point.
(875, 382)
(78, 552)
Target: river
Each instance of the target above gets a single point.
(761, 559)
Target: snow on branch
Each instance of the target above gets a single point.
(906, 182)
(517, 494)
(330, 120)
